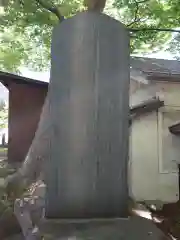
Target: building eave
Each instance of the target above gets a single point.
(7, 78)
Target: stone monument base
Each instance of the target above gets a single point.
(101, 229)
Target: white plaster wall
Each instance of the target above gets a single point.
(149, 180)
(141, 93)
(134, 86)
(169, 92)
(143, 157)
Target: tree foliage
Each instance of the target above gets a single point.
(3, 115)
(174, 45)
(147, 14)
(26, 27)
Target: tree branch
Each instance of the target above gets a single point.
(52, 9)
(136, 19)
(139, 20)
(135, 15)
(153, 29)
(21, 2)
(142, 1)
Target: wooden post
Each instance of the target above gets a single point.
(89, 99)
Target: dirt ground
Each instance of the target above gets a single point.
(170, 224)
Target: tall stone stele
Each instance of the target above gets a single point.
(88, 99)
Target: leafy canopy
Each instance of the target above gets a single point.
(26, 26)
(3, 115)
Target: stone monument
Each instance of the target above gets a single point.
(89, 99)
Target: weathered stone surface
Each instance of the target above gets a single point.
(115, 229)
(87, 171)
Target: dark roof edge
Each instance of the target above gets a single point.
(163, 77)
(133, 57)
(146, 107)
(5, 78)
